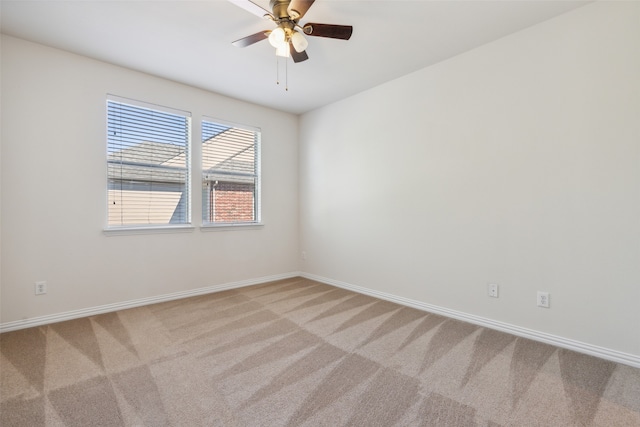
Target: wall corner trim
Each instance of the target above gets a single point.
(92, 311)
(581, 347)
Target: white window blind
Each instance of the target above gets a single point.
(147, 165)
(230, 174)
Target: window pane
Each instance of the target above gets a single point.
(147, 166)
(230, 173)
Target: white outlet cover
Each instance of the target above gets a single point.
(492, 290)
(543, 299)
(40, 288)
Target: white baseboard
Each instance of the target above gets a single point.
(593, 350)
(92, 311)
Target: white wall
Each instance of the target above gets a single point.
(516, 163)
(54, 191)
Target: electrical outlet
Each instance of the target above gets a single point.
(492, 290)
(304, 255)
(543, 299)
(41, 288)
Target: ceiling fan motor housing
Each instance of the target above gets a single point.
(280, 9)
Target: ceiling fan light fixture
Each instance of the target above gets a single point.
(289, 38)
(299, 42)
(277, 38)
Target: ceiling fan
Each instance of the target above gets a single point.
(288, 38)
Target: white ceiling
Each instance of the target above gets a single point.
(190, 41)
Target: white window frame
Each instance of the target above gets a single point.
(185, 224)
(206, 178)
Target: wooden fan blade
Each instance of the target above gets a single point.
(297, 56)
(249, 40)
(251, 7)
(297, 8)
(342, 32)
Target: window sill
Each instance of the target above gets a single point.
(124, 231)
(231, 226)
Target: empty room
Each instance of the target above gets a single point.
(320, 213)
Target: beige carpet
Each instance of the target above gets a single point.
(300, 353)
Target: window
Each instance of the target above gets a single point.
(147, 165)
(230, 174)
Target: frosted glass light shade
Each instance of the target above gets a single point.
(277, 38)
(299, 42)
(283, 50)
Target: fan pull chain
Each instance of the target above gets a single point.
(286, 72)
